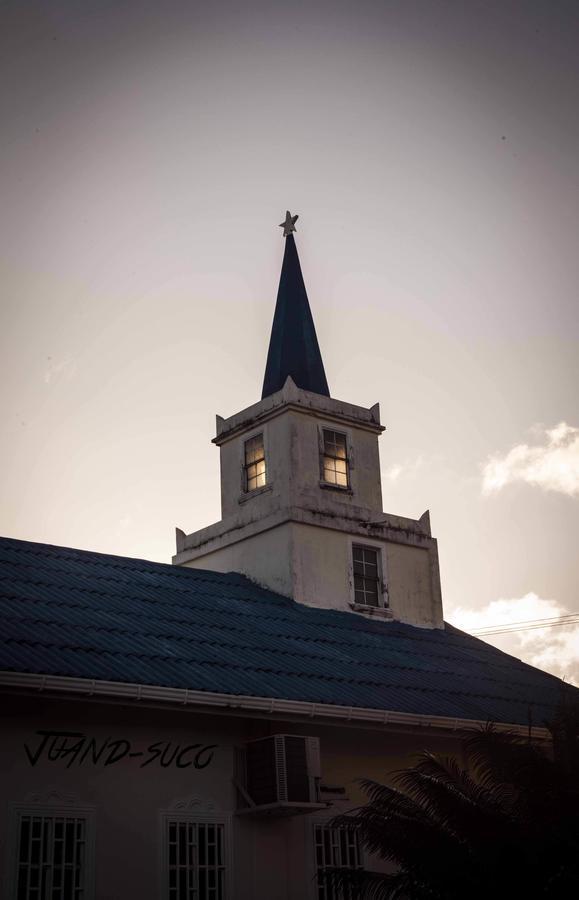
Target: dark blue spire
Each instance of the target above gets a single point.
(293, 346)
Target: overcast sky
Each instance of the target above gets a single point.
(431, 148)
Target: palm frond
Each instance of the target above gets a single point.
(507, 821)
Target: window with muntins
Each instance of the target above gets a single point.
(254, 463)
(195, 860)
(335, 458)
(336, 848)
(366, 576)
(51, 858)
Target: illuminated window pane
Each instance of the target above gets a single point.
(329, 474)
(335, 459)
(255, 473)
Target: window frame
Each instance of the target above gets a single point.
(324, 823)
(247, 491)
(347, 488)
(383, 600)
(195, 818)
(51, 811)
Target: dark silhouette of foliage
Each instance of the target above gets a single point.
(507, 825)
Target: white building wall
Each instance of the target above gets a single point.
(295, 534)
(267, 858)
(313, 565)
(265, 557)
(293, 449)
(412, 582)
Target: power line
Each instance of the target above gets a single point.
(528, 628)
(528, 625)
(540, 623)
(533, 621)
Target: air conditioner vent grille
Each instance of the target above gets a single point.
(261, 772)
(279, 775)
(298, 782)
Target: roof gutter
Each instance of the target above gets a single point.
(233, 703)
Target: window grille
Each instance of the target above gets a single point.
(51, 858)
(366, 576)
(254, 463)
(196, 861)
(335, 458)
(336, 848)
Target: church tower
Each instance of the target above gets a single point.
(301, 496)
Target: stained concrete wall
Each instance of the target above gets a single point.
(293, 450)
(265, 557)
(295, 534)
(269, 859)
(313, 565)
(306, 446)
(323, 566)
(324, 573)
(278, 460)
(412, 583)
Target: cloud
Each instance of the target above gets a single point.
(555, 649)
(552, 466)
(64, 368)
(403, 470)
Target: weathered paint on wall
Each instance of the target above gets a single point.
(313, 565)
(291, 423)
(412, 585)
(295, 534)
(266, 557)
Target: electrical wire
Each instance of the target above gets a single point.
(528, 625)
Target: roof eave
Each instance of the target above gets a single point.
(270, 707)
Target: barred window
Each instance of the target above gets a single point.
(254, 463)
(335, 458)
(336, 848)
(195, 860)
(51, 858)
(366, 576)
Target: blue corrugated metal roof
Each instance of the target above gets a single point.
(90, 615)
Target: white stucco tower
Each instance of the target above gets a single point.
(301, 497)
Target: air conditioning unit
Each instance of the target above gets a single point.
(279, 776)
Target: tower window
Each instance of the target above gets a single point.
(335, 458)
(366, 576)
(254, 463)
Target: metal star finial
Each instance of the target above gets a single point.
(289, 224)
